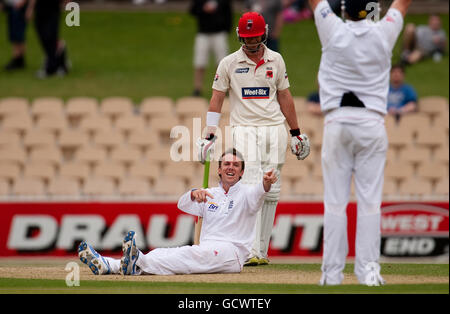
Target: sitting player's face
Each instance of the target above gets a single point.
(230, 170)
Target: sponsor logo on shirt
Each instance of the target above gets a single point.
(255, 92)
(242, 70)
(216, 78)
(212, 207)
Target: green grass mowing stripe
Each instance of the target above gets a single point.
(8, 285)
(386, 268)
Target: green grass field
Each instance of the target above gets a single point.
(142, 54)
(8, 285)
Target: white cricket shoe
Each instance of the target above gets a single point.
(90, 257)
(130, 254)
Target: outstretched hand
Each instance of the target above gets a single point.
(200, 196)
(269, 178)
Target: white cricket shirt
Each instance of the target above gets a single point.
(252, 87)
(356, 56)
(229, 217)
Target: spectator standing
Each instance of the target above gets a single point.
(17, 23)
(402, 98)
(47, 15)
(424, 41)
(214, 19)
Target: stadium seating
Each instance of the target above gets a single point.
(87, 148)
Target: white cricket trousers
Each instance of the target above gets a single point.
(358, 150)
(207, 258)
(263, 149)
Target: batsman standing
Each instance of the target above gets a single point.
(260, 103)
(354, 82)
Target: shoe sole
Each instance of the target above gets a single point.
(129, 250)
(87, 257)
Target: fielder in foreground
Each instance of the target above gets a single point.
(354, 83)
(229, 215)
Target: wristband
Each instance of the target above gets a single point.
(295, 132)
(212, 118)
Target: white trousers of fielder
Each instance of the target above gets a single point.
(263, 149)
(359, 150)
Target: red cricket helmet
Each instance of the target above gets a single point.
(251, 24)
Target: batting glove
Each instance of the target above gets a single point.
(205, 146)
(299, 144)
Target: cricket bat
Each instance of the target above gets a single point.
(198, 223)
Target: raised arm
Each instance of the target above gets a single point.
(401, 5)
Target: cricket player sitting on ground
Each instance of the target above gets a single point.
(354, 83)
(229, 216)
(260, 103)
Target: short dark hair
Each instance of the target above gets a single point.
(399, 67)
(234, 152)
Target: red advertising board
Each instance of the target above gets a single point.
(55, 229)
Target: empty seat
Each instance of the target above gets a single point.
(415, 186)
(129, 123)
(309, 186)
(191, 107)
(76, 170)
(9, 138)
(144, 139)
(163, 124)
(39, 138)
(81, 106)
(91, 155)
(51, 155)
(47, 106)
(390, 187)
(432, 171)
(52, 123)
(145, 169)
(169, 186)
(294, 170)
(181, 169)
(28, 187)
(73, 138)
(431, 137)
(62, 186)
(126, 154)
(399, 136)
(9, 171)
(433, 105)
(94, 124)
(134, 187)
(415, 122)
(4, 187)
(398, 170)
(441, 154)
(160, 153)
(113, 107)
(441, 187)
(156, 107)
(415, 154)
(101, 186)
(300, 104)
(441, 122)
(109, 139)
(41, 170)
(14, 154)
(13, 106)
(17, 123)
(113, 170)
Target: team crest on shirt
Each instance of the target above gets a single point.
(269, 74)
(325, 12)
(216, 78)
